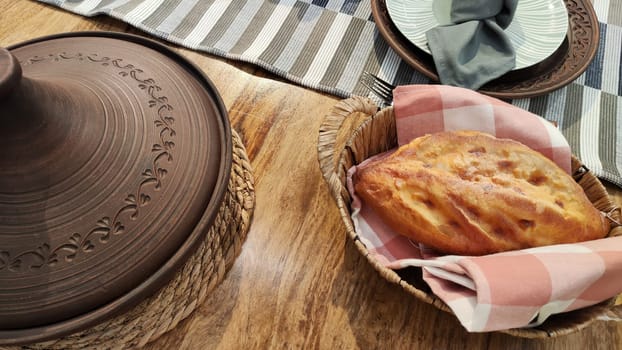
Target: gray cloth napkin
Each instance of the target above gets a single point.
(471, 48)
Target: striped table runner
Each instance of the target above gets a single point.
(327, 44)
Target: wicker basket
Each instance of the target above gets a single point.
(375, 134)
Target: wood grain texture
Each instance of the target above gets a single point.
(298, 282)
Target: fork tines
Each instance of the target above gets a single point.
(379, 87)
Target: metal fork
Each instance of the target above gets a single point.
(378, 87)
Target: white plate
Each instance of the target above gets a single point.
(537, 30)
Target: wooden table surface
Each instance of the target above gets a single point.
(298, 282)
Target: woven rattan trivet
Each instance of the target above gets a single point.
(204, 270)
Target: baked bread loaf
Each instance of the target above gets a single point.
(470, 193)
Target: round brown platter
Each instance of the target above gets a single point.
(116, 157)
(558, 70)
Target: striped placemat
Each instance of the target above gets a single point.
(327, 44)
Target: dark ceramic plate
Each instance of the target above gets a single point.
(561, 68)
(116, 154)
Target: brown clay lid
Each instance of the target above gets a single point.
(115, 158)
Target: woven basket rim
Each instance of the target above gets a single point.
(584, 178)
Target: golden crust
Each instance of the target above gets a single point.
(470, 193)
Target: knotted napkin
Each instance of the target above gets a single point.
(471, 48)
(498, 291)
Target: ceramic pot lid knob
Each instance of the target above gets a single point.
(10, 72)
(41, 116)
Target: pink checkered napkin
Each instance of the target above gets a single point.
(499, 291)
